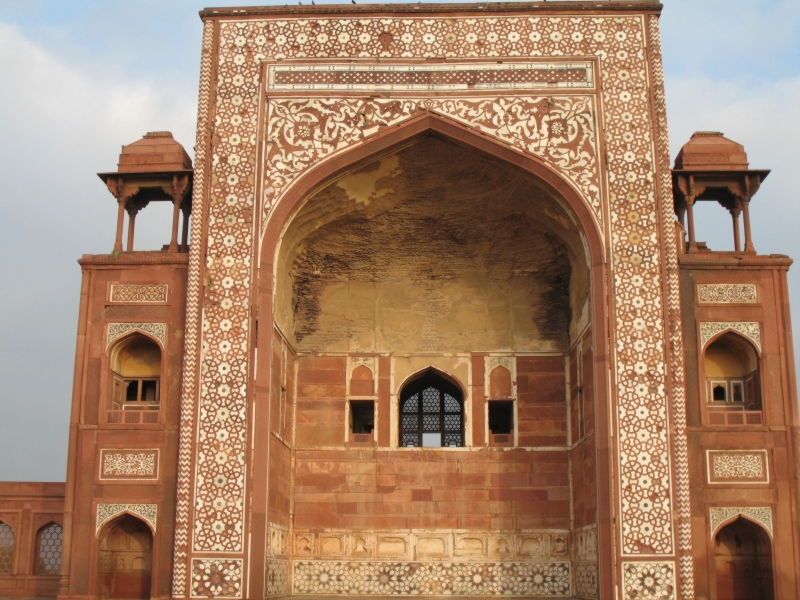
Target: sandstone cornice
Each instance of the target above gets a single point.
(156, 257)
(481, 8)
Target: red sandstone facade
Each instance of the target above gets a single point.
(436, 330)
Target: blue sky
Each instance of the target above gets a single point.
(83, 77)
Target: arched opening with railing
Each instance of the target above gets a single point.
(732, 381)
(135, 374)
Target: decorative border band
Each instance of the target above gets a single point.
(750, 330)
(761, 514)
(157, 330)
(106, 512)
(532, 579)
(414, 545)
(426, 77)
(727, 293)
(139, 293)
(737, 466)
(127, 464)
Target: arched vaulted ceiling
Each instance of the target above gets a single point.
(431, 248)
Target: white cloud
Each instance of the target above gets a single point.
(61, 124)
(765, 119)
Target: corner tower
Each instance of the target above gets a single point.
(741, 395)
(123, 441)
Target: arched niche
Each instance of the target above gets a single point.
(743, 561)
(362, 381)
(732, 378)
(125, 558)
(135, 365)
(500, 382)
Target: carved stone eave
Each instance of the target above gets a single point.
(689, 183)
(696, 184)
(148, 186)
(139, 257)
(650, 6)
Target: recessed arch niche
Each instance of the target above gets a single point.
(731, 365)
(430, 248)
(125, 558)
(743, 561)
(135, 363)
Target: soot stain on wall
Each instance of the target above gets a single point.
(433, 249)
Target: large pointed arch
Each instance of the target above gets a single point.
(392, 139)
(386, 142)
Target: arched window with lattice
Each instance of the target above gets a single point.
(6, 548)
(48, 555)
(431, 413)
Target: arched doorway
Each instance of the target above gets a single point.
(743, 562)
(126, 559)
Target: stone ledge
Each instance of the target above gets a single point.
(155, 257)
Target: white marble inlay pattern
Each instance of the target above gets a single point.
(649, 580)
(750, 330)
(431, 578)
(106, 512)
(429, 77)
(718, 515)
(117, 330)
(726, 293)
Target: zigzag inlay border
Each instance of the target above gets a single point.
(180, 576)
(680, 438)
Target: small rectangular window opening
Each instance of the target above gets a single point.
(362, 416)
(131, 391)
(501, 416)
(432, 440)
(737, 391)
(138, 392)
(718, 391)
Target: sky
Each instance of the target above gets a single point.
(83, 77)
